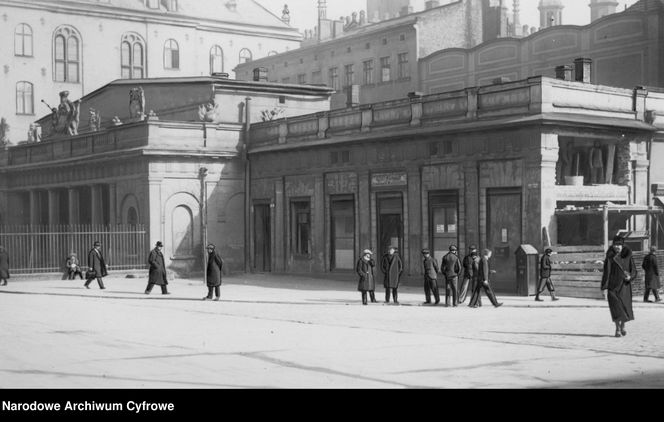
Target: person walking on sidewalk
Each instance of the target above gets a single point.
(213, 273)
(484, 270)
(430, 277)
(96, 267)
(619, 272)
(545, 277)
(4, 266)
(451, 268)
(365, 270)
(392, 268)
(470, 265)
(652, 275)
(157, 270)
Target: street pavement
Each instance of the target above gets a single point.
(274, 331)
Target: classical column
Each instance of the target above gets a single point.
(34, 208)
(414, 240)
(279, 237)
(154, 215)
(96, 204)
(545, 186)
(113, 204)
(53, 207)
(74, 214)
(364, 214)
(318, 223)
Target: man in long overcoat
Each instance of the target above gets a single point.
(96, 266)
(545, 277)
(619, 271)
(451, 268)
(157, 270)
(215, 266)
(470, 265)
(365, 270)
(4, 266)
(483, 272)
(430, 277)
(652, 275)
(392, 268)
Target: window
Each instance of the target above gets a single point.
(334, 78)
(433, 149)
(367, 46)
(132, 57)
(302, 79)
(66, 55)
(245, 56)
(404, 69)
(350, 74)
(25, 103)
(337, 157)
(402, 37)
(368, 70)
(300, 228)
(317, 77)
(348, 49)
(385, 69)
(23, 40)
(384, 41)
(171, 55)
(216, 59)
(171, 5)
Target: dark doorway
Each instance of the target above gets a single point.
(390, 222)
(443, 221)
(504, 235)
(262, 238)
(342, 233)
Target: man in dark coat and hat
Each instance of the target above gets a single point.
(365, 270)
(430, 277)
(4, 266)
(451, 268)
(97, 267)
(392, 268)
(652, 275)
(157, 270)
(483, 272)
(619, 271)
(213, 273)
(545, 277)
(470, 267)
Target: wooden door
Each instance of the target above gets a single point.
(504, 235)
(262, 239)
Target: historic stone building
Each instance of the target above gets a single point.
(497, 166)
(50, 46)
(381, 55)
(171, 155)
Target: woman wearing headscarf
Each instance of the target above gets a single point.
(619, 271)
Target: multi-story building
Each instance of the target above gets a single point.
(50, 46)
(381, 55)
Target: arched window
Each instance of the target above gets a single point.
(67, 42)
(216, 59)
(25, 102)
(172, 5)
(183, 231)
(245, 55)
(171, 55)
(23, 40)
(133, 56)
(132, 216)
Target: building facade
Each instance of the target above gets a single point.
(491, 166)
(171, 159)
(50, 46)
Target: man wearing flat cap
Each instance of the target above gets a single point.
(392, 267)
(451, 270)
(365, 270)
(96, 267)
(430, 277)
(470, 268)
(545, 277)
(157, 270)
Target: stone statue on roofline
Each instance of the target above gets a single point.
(95, 120)
(4, 132)
(65, 118)
(137, 103)
(34, 133)
(210, 112)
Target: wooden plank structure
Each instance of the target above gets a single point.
(577, 271)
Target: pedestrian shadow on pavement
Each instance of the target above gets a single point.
(552, 334)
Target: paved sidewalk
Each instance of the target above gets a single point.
(291, 331)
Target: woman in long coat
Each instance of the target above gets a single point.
(619, 271)
(158, 275)
(652, 275)
(365, 270)
(392, 268)
(4, 266)
(213, 275)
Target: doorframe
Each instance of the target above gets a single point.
(330, 234)
(387, 195)
(269, 205)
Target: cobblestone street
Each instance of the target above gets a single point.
(286, 332)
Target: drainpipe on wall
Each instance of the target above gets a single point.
(247, 186)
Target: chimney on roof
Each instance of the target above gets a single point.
(501, 80)
(353, 98)
(583, 70)
(564, 73)
(363, 17)
(220, 75)
(260, 74)
(285, 15)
